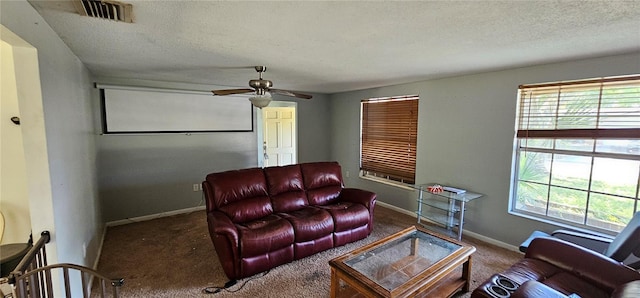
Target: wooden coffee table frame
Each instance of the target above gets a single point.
(435, 281)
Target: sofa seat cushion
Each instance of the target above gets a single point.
(264, 235)
(310, 223)
(568, 283)
(532, 288)
(347, 215)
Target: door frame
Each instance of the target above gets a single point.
(260, 127)
(31, 110)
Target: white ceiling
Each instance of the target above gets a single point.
(329, 47)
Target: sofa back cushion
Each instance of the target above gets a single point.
(286, 188)
(323, 181)
(599, 270)
(241, 194)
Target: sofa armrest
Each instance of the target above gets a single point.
(359, 196)
(354, 195)
(208, 196)
(593, 242)
(589, 265)
(536, 289)
(220, 224)
(224, 236)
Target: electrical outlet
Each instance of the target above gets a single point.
(347, 174)
(200, 186)
(84, 250)
(196, 187)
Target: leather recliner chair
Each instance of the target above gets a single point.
(553, 267)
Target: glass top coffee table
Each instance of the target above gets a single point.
(413, 262)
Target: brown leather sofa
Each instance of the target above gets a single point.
(262, 218)
(555, 268)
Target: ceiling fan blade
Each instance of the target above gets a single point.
(231, 91)
(290, 93)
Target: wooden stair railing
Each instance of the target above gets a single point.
(32, 277)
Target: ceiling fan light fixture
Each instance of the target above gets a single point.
(262, 98)
(261, 101)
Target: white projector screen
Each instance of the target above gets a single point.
(172, 111)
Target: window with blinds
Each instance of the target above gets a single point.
(389, 133)
(578, 152)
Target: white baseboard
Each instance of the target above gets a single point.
(495, 242)
(97, 260)
(398, 209)
(464, 232)
(153, 216)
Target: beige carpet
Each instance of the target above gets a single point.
(174, 257)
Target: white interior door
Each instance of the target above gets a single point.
(279, 140)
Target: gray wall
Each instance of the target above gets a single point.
(153, 173)
(65, 83)
(465, 137)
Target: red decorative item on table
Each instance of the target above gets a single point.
(435, 188)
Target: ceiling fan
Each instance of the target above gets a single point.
(262, 89)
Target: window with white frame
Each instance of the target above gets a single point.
(578, 152)
(388, 138)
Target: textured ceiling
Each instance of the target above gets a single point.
(329, 47)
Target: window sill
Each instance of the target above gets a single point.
(561, 225)
(387, 182)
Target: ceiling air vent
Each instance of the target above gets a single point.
(105, 9)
